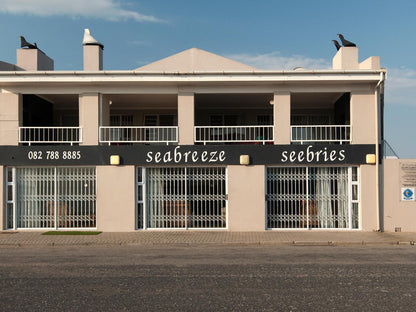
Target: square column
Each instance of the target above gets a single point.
(281, 117)
(186, 116)
(90, 117)
(246, 203)
(116, 199)
(11, 117)
(363, 117)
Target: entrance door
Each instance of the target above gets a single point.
(184, 198)
(52, 197)
(312, 197)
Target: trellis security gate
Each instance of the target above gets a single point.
(312, 197)
(181, 197)
(51, 197)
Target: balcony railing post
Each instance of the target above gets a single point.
(50, 135)
(233, 134)
(138, 134)
(321, 133)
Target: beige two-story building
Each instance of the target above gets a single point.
(193, 141)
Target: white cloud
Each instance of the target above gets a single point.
(103, 9)
(276, 61)
(400, 86)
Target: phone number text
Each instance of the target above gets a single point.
(52, 155)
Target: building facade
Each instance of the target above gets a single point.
(193, 141)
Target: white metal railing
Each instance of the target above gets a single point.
(47, 135)
(138, 135)
(221, 134)
(321, 133)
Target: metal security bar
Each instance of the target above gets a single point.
(10, 198)
(222, 134)
(207, 197)
(287, 197)
(49, 135)
(329, 205)
(138, 135)
(324, 133)
(35, 200)
(311, 197)
(139, 198)
(76, 197)
(186, 197)
(54, 197)
(166, 198)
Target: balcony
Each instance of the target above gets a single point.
(138, 134)
(321, 133)
(233, 134)
(50, 135)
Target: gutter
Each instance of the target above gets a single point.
(177, 77)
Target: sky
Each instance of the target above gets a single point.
(266, 34)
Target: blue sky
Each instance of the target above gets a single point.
(267, 34)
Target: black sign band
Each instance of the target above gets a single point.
(157, 155)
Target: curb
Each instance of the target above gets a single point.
(214, 244)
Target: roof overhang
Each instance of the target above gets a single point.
(104, 77)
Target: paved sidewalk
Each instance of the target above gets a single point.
(189, 238)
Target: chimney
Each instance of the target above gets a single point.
(93, 52)
(346, 58)
(29, 57)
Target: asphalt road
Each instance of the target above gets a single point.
(213, 278)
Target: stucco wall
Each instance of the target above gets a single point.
(397, 213)
(246, 201)
(93, 57)
(33, 59)
(368, 198)
(11, 116)
(89, 117)
(363, 117)
(116, 198)
(281, 117)
(186, 112)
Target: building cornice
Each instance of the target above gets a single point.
(266, 76)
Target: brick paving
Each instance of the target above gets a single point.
(188, 238)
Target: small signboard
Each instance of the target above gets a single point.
(408, 194)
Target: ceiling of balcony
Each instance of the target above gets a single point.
(233, 101)
(314, 100)
(202, 101)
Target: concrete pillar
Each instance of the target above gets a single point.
(281, 118)
(11, 117)
(363, 117)
(368, 198)
(186, 116)
(90, 117)
(105, 111)
(116, 199)
(246, 198)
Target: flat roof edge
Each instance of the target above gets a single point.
(192, 73)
